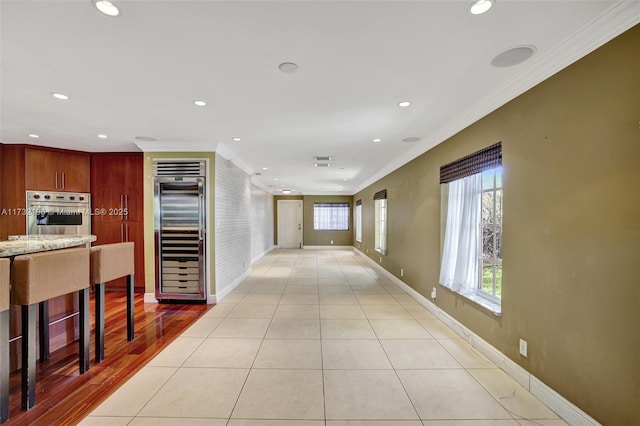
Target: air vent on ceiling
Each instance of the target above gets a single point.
(318, 158)
(322, 164)
(179, 168)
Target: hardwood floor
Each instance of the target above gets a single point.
(64, 397)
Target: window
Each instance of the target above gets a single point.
(380, 218)
(472, 246)
(491, 282)
(357, 220)
(331, 216)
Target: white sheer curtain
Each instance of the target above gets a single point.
(331, 216)
(459, 269)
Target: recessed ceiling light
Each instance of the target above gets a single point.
(275, 178)
(102, 136)
(235, 139)
(404, 104)
(60, 96)
(264, 168)
(377, 140)
(145, 139)
(286, 191)
(513, 56)
(322, 165)
(200, 103)
(107, 8)
(345, 179)
(33, 135)
(411, 139)
(479, 7)
(288, 67)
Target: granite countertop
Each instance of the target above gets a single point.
(24, 244)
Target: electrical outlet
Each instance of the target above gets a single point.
(401, 272)
(523, 348)
(433, 293)
(380, 259)
(367, 250)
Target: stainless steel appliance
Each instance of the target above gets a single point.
(180, 231)
(58, 213)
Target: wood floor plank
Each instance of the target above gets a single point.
(64, 396)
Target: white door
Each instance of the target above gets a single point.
(290, 223)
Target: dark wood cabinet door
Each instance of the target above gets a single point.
(116, 184)
(107, 185)
(47, 170)
(133, 187)
(41, 170)
(134, 231)
(107, 232)
(74, 172)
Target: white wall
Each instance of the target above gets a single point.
(261, 222)
(232, 222)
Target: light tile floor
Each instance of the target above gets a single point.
(319, 337)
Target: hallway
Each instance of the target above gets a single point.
(315, 337)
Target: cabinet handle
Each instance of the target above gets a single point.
(122, 232)
(127, 229)
(56, 180)
(121, 207)
(62, 180)
(126, 205)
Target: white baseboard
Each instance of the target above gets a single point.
(228, 289)
(150, 298)
(261, 255)
(330, 247)
(556, 402)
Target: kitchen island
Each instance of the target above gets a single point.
(62, 311)
(25, 244)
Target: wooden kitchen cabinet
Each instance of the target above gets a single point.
(117, 192)
(56, 170)
(28, 167)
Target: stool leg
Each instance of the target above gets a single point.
(43, 328)
(99, 301)
(29, 356)
(130, 333)
(84, 329)
(4, 366)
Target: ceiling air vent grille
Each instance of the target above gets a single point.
(179, 168)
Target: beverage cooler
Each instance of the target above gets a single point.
(179, 230)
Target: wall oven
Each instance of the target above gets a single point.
(58, 213)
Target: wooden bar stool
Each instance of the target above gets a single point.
(39, 277)
(5, 286)
(110, 262)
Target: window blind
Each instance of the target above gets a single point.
(487, 158)
(380, 195)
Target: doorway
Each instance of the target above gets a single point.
(290, 223)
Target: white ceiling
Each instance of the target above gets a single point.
(138, 74)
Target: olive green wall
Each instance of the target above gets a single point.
(571, 149)
(149, 246)
(312, 237)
